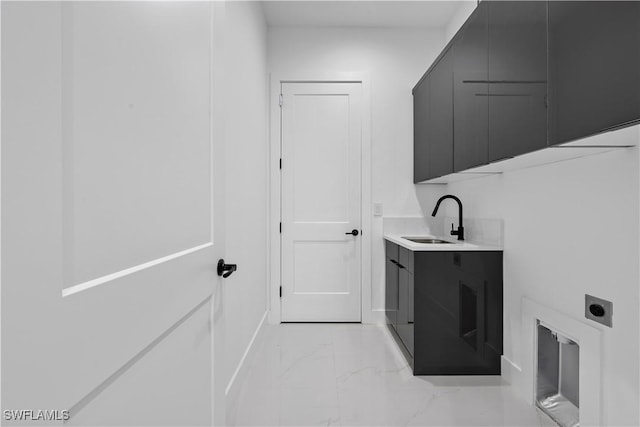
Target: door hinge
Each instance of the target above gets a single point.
(280, 100)
(280, 291)
(280, 227)
(280, 162)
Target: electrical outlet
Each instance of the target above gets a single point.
(377, 209)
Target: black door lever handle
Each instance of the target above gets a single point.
(353, 232)
(225, 270)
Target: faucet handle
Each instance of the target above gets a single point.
(459, 232)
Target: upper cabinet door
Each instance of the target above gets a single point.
(594, 67)
(470, 90)
(420, 129)
(440, 123)
(517, 77)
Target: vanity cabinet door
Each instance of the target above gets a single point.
(458, 313)
(391, 292)
(470, 90)
(404, 320)
(594, 67)
(399, 293)
(517, 72)
(471, 312)
(438, 348)
(493, 301)
(481, 310)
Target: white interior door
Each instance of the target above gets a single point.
(110, 214)
(321, 202)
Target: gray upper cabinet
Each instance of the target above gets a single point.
(470, 90)
(594, 67)
(520, 76)
(440, 128)
(433, 121)
(517, 77)
(421, 125)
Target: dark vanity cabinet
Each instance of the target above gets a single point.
(446, 309)
(517, 71)
(458, 313)
(594, 67)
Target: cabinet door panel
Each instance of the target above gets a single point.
(473, 312)
(470, 90)
(517, 40)
(517, 119)
(435, 279)
(594, 66)
(458, 313)
(391, 292)
(404, 320)
(391, 250)
(493, 309)
(420, 131)
(405, 258)
(438, 346)
(517, 77)
(440, 124)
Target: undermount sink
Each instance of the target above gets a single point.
(426, 240)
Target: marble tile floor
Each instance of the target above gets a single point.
(354, 375)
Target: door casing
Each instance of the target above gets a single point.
(275, 194)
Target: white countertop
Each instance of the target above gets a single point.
(442, 247)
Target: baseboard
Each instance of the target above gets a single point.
(511, 373)
(273, 317)
(235, 383)
(376, 317)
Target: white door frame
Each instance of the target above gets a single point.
(275, 194)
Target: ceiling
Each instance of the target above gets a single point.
(347, 13)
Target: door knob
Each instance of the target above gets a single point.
(225, 270)
(353, 232)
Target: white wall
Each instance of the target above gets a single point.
(246, 175)
(571, 228)
(395, 59)
(459, 17)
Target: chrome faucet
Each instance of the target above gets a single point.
(460, 231)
